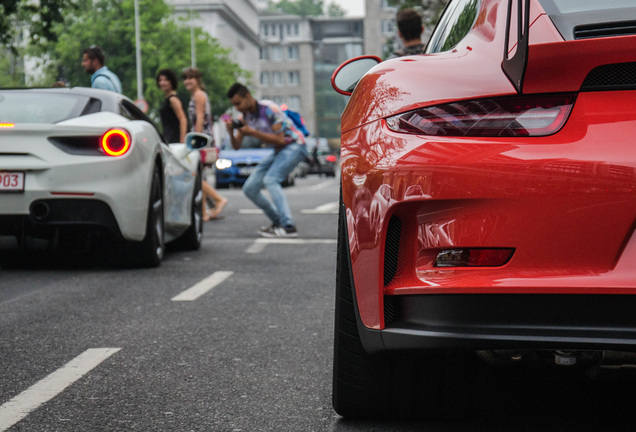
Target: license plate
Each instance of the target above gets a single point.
(245, 171)
(11, 181)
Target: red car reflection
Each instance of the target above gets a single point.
(488, 200)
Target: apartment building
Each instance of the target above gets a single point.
(234, 23)
(286, 63)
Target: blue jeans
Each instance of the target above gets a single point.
(270, 173)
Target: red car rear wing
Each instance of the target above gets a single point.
(561, 66)
(564, 66)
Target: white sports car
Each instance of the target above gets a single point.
(82, 168)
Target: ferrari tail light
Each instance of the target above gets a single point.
(6, 125)
(473, 257)
(115, 142)
(535, 115)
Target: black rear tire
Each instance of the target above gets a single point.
(191, 239)
(396, 385)
(150, 251)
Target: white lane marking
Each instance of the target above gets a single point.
(329, 208)
(250, 211)
(47, 388)
(321, 185)
(259, 244)
(203, 287)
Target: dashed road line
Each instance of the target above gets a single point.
(203, 287)
(47, 388)
(259, 244)
(322, 185)
(329, 208)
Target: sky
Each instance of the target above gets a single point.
(352, 7)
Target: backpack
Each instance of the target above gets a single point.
(298, 120)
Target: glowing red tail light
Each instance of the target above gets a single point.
(331, 158)
(473, 257)
(536, 115)
(115, 142)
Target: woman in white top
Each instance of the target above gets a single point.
(201, 120)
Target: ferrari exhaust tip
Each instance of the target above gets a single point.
(40, 210)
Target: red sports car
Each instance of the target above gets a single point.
(488, 200)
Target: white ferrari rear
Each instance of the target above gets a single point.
(81, 168)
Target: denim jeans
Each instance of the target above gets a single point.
(270, 173)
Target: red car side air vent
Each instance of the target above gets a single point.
(617, 76)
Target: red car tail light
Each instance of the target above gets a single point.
(331, 158)
(473, 257)
(536, 115)
(115, 142)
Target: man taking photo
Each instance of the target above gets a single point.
(266, 121)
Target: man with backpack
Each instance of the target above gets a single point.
(266, 121)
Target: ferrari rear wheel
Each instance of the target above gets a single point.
(191, 239)
(377, 386)
(150, 251)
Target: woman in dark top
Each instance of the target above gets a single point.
(173, 118)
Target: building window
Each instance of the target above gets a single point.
(384, 4)
(278, 100)
(293, 78)
(293, 103)
(265, 29)
(264, 55)
(277, 78)
(296, 29)
(276, 53)
(292, 52)
(264, 79)
(273, 29)
(388, 27)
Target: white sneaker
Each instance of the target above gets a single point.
(278, 231)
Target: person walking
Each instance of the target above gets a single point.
(265, 121)
(410, 29)
(101, 77)
(201, 121)
(173, 118)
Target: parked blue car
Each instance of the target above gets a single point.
(234, 166)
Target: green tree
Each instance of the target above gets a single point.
(334, 10)
(165, 43)
(36, 18)
(306, 7)
(11, 70)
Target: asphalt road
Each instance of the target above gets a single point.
(234, 337)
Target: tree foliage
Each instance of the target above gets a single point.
(165, 43)
(306, 7)
(37, 19)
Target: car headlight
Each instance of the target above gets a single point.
(223, 164)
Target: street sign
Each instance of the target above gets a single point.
(142, 105)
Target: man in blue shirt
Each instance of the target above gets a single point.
(102, 77)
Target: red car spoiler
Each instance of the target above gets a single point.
(564, 66)
(559, 66)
